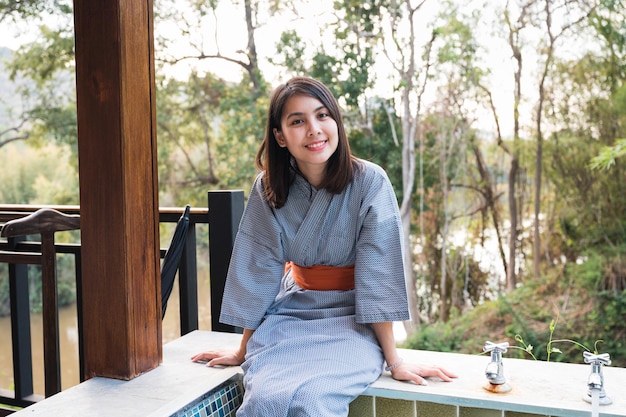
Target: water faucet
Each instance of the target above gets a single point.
(495, 368)
(596, 377)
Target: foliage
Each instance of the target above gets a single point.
(592, 201)
(243, 128)
(442, 337)
(550, 348)
(209, 131)
(43, 176)
(366, 141)
(591, 316)
(608, 155)
(44, 59)
(46, 86)
(451, 336)
(603, 273)
(12, 9)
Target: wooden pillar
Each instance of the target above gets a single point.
(118, 187)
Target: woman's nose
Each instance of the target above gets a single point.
(314, 129)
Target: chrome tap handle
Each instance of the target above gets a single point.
(496, 347)
(601, 359)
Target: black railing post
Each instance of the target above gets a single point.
(225, 211)
(20, 327)
(188, 283)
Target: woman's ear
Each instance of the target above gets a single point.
(279, 138)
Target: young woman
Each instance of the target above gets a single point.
(316, 277)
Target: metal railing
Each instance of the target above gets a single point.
(222, 216)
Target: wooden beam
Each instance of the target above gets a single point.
(118, 187)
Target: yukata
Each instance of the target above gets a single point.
(314, 351)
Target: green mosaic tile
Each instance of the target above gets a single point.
(222, 401)
(478, 412)
(362, 406)
(435, 410)
(386, 407)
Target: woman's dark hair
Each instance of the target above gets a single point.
(277, 161)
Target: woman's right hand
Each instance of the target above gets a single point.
(226, 357)
(219, 357)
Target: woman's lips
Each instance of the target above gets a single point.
(316, 145)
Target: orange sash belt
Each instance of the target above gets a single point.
(322, 277)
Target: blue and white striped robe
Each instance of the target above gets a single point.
(313, 352)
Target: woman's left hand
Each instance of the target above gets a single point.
(417, 373)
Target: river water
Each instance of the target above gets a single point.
(68, 337)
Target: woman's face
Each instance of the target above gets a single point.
(310, 135)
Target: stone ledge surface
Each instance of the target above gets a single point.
(539, 388)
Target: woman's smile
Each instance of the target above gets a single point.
(317, 145)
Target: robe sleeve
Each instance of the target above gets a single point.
(256, 265)
(379, 268)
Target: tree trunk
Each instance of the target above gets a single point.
(491, 201)
(253, 67)
(514, 43)
(408, 182)
(510, 275)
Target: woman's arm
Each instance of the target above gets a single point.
(386, 340)
(400, 370)
(226, 357)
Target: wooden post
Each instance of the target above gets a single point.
(118, 187)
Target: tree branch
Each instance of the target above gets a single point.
(18, 135)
